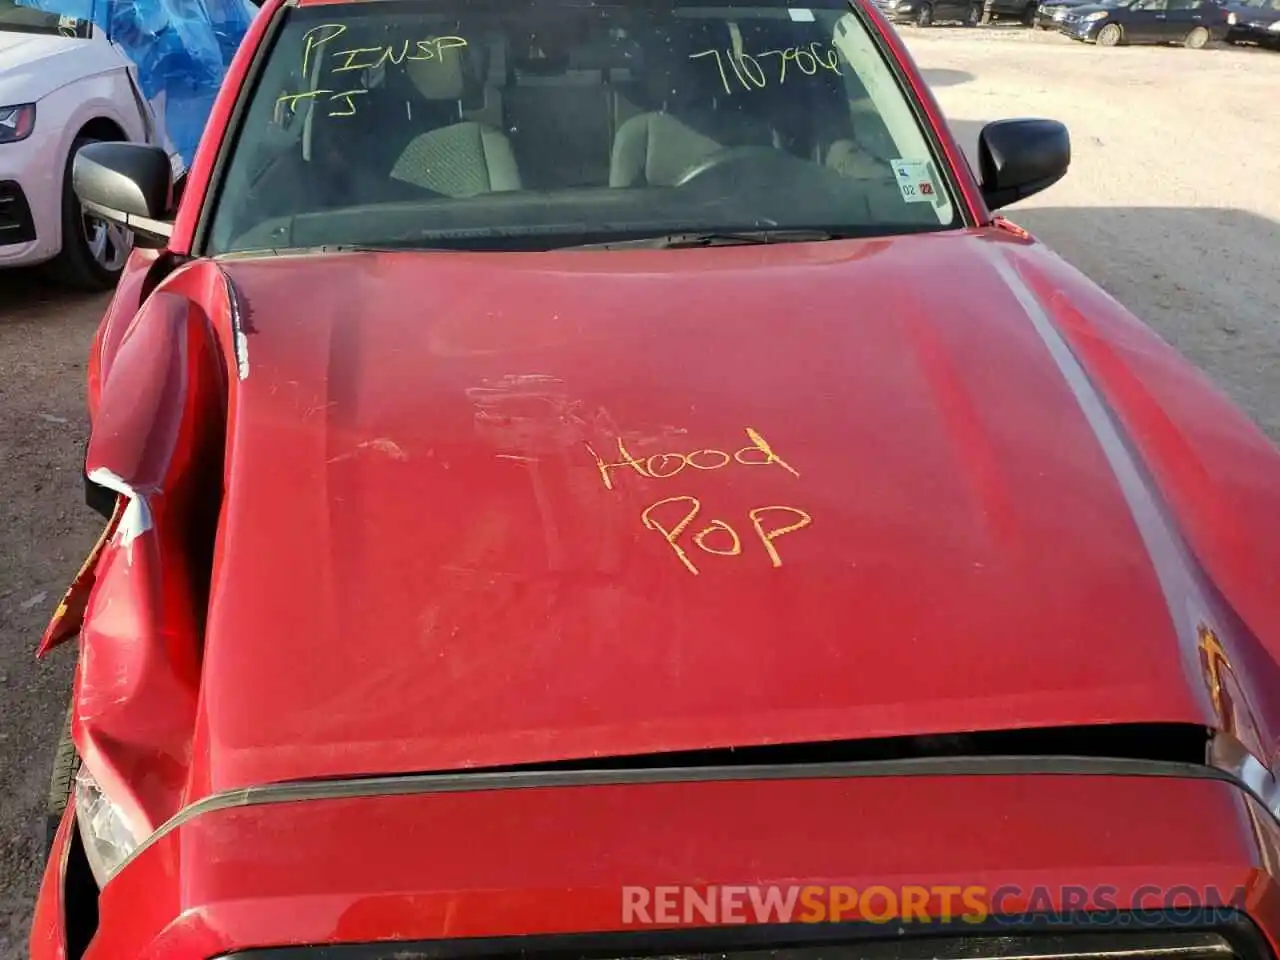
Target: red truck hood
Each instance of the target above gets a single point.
(905, 521)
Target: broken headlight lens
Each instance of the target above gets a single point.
(16, 123)
(105, 831)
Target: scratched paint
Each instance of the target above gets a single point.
(527, 415)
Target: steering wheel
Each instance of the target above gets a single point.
(730, 156)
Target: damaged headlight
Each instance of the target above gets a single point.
(104, 830)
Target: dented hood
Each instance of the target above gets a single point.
(495, 509)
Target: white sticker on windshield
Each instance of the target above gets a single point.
(915, 180)
(801, 14)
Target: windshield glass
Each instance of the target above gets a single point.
(460, 124)
(15, 18)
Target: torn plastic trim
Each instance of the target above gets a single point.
(136, 519)
(240, 341)
(1230, 756)
(69, 617)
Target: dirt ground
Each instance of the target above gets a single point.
(45, 532)
(1171, 204)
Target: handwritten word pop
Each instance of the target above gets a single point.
(729, 543)
(751, 73)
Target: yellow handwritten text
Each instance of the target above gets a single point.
(369, 58)
(660, 466)
(673, 534)
(359, 58)
(767, 537)
(751, 74)
(316, 37)
(730, 543)
(341, 102)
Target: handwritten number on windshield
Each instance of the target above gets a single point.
(752, 76)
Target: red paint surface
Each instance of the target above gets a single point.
(554, 860)
(1214, 465)
(48, 939)
(460, 586)
(481, 597)
(121, 312)
(419, 566)
(415, 518)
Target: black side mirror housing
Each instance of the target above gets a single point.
(1018, 158)
(128, 184)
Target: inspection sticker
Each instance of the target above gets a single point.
(801, 14)
(915, 180)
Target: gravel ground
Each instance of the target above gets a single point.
(1171, 204)
(45, 532)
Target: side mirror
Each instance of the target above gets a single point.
(128, 184)
(1018, 158)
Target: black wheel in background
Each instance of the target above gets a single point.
(62, 781)
(93, 251)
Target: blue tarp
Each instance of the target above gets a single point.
(182, 49)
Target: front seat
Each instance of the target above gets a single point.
(690, 124)
(462, 158)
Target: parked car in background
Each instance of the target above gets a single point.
(1254, 21)
(62, 85)
(1192, 23)
(1051, 13)
(1024, 11)
(925, 13)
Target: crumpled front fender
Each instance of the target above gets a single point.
(140, 598)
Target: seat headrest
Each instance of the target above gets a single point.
(442, 77)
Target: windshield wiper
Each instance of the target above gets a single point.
(329, 248)
(715, 238)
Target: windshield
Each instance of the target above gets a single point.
(459, 124)
(19, 19)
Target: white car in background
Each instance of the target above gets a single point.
(62, 85)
